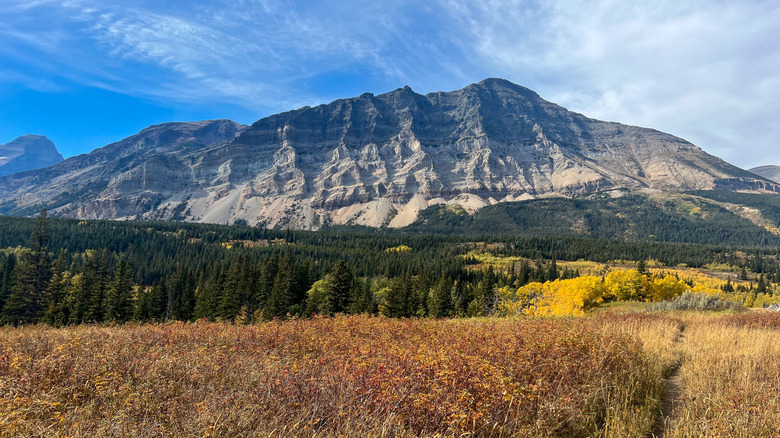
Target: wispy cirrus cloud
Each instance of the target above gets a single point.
(705, 70)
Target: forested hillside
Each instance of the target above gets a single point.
(693, 218)
(64, 271)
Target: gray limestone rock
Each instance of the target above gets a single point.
(370, 160)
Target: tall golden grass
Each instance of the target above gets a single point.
(730, 379)
(365, 376)
(353, 376)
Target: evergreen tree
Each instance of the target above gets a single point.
(239, 286)
(396, 303)
(265, 283)
(552, 274)
(440, 301)
(761, 287)
(143, 305)
(158, 301)
(118, 304)
(337, 295)
(362, 300)
(96, 279)
(7, 278)
(33, 273)
(207, 303)
(282, 294)
(56, 310)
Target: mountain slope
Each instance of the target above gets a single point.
(26, 153)
(771, 173)
(696, 217)
(120, 179)
(375, 160)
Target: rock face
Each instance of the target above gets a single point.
(771, 173)
(26, 153)
(370, 160)
(122, 180)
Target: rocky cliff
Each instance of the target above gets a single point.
(371, 160)
(26, 153)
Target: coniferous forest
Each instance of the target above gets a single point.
(62, 271)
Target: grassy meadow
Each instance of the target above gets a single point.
(679, 374)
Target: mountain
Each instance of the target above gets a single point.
(771, 173)
(372, 160)
(26, 153)
(119, 180)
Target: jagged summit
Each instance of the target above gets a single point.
(27, 152)
(372, 160)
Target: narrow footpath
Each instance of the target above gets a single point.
(670, 396)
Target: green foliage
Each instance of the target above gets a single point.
(145, 271)
(694, 301)
(630, 217)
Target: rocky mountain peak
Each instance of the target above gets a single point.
(26, 153)
(370, 160)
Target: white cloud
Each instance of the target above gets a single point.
(706, 71)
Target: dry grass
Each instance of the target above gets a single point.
(730, 378)
(363, 376)
(355, 376)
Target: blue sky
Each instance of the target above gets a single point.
(89, 72)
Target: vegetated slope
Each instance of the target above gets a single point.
(763, 209)
(379, 160)
(120, 179)
(26, 153)
(656, 217)
(769, 172)
(345, 376)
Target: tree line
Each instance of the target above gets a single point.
(158, 272)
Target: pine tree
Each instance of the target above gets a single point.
(239, 278)
(158, 301)
(7, 278)
(265, 286)
(552, 274)
(210, 296)
(96, 285)
(280, 300)
(33, 273)
(761, 287)
(55, 307)
(440, 301)
(337, 296)
(118, 304)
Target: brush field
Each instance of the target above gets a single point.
(680, 374)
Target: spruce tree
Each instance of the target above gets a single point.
(337, 295)
(7, 278)
(55, 307)
(33, 272)
(209, 297)
(440, 302)
(118, 304)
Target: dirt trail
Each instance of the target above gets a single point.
(670, 397)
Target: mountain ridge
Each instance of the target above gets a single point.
(27, 152)
(769, 172)
(379, 160)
